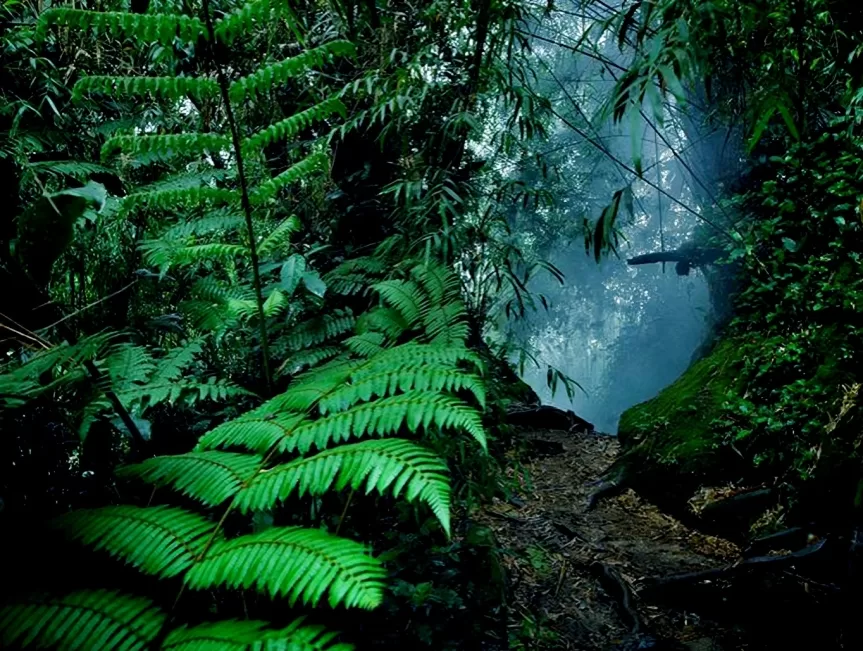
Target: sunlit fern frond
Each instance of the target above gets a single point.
(87, 619)
(390, 464)
(404, 296)
(257, 430)
(174, 88)
(209, 477)
(160, 540)
(263, 80)
(414, 410)
(300, 564)
(162, 28)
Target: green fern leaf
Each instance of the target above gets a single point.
(166, 146)
(446, 324)
(440, 284)
(174, 88)
(160, 540)
(320, 329)
(128, 365)
(88, 619)
(386, 320)
(261, 81)
(366, 344)
(275, 304)
(307, 359)
(257, 430)
(414, 410)
(209, 477)
(279, 237)
(246, 18)
(405, 296)
(389, 464)
(76, 169)
(302, 564)
(267, 190)
(171, 199)
(365, 385)
(162, 28)
(290, 127)
(233, 635)
(224, 220)
(412, 354)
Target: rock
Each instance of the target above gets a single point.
(547, 417)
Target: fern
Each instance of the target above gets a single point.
(76, 169)
(245, 17)
(301, 564)
(268, 189)
(291, 126)
(234, 635)
(414, 410)
(381, 465)
(317, 330)
(162, 541)
(162, 28)
(209, 477)
(224, 220)
(258, 430)
(173, 88)
(86, 619)
(260, 82)
(279, 237)
(308, 358)
(166, 146)
(405, 297)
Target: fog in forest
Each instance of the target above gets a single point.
(622, 332)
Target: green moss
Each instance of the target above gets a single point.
(673, 433)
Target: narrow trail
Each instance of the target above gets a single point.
(575, 574)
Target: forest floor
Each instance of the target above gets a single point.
(553, 549)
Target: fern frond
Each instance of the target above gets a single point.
(234, 635)
(163, 28)
(386, 382)
(414, 410)
(275, 304)
(353, 276)
(317, 330)
(219, 220)
(245, 18)
(267, 190)
(440, 284)
(261, 81)
(257, 430)
(173, 88)
(291, 126)
(302, 564)
(405, 296)
(128, 365)
(388, 464)
(171, 200)
(201, 253)
(366, 344)
(76, 169)
(279, 237)
(446, 323)
(411, 354)
(209, 477)
(87, 619)
(161, 541)
(167, 145)
(176, 361)
(386, 320)
(311, 387)
(309, 358)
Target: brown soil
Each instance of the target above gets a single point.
(549, 541)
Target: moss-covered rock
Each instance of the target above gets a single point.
(670, 444)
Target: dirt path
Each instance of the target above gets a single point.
(552, 544)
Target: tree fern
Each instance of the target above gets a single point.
(301, 564)
(210, 477)
(258, 431)
(381, 465)
(88, 619)
(161, 540)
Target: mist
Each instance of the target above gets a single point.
(622, 332)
